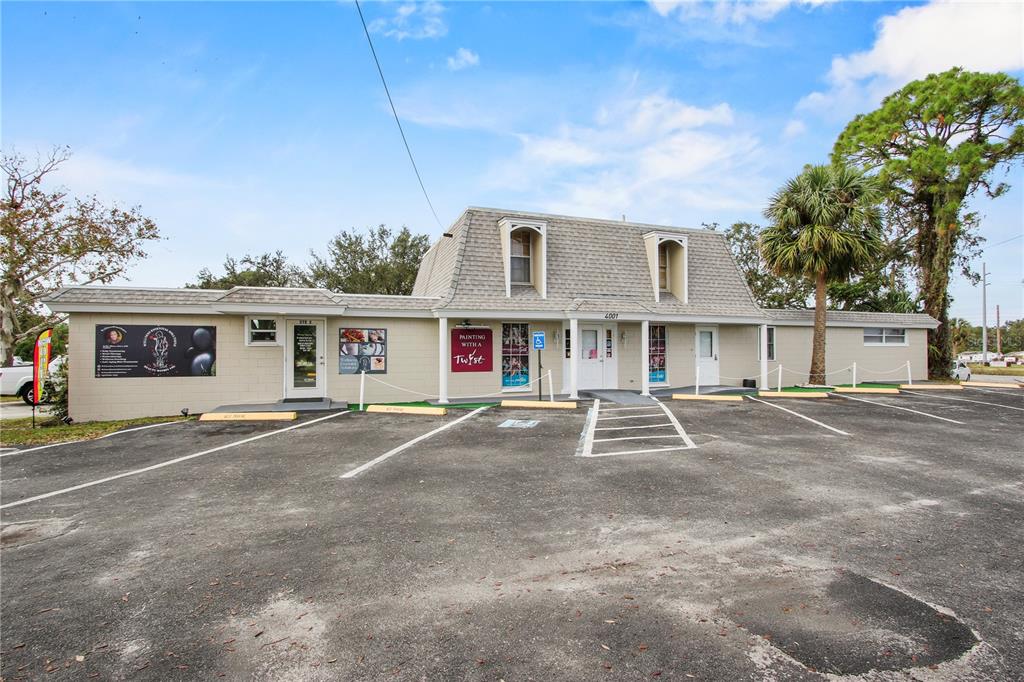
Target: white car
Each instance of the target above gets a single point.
(17, 379)
(960, 371)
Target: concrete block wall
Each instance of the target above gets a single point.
(244, 373)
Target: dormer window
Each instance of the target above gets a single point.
(663, 266)
(667, 258)
(524, 252)
(521, 267)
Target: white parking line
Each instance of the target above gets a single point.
(587, 446)
(169, 462)
(637, 452)
(797, 414)
(965, 400)
(86, 440)
(630, 428)
(997, 391)
(632, 416)
(624, 409)
(606, 440)
(405, 446)
(897, 407)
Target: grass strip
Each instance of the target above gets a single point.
(19, 432)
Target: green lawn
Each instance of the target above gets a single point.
(49, 430)
(1015, 371)
(9, 399)
(807, 389)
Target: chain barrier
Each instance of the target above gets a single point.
(434, 396)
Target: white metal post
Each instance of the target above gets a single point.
(855, 375)
(574, 358)
(779, 387)
(442, 360)
(551, 387)
(984, 315)
(910, 377)
(696, 384)
(362, 388)
(763, 382)
(645, 354)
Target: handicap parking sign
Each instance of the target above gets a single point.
(538, 340)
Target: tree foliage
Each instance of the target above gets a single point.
(49, 240)
(265, 270)
(375, 262)
(934, 144)
(825, 228)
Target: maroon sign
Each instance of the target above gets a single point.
(472, 350)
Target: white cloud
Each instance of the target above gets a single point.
(923, 39)
(794, 128)
(643, 155)
(463, 59)
(416, 20)
(728, 11)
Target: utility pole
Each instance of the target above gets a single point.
(999, 334)
(984, 316)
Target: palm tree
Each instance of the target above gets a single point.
(826, 226)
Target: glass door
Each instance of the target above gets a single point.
(304, 359)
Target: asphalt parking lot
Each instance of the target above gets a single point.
(876, 538)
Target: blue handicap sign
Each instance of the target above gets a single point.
(538, 340)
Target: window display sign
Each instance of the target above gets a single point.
(362, 350)
(472, 349)
(515, 355)
(135, 350)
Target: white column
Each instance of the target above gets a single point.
(442, 360)
(574, 358)
(762, 384)
(645, 351)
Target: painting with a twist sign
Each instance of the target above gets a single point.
(472, 349)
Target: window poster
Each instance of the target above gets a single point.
(362, 350)
(656, 354)
(135, 350)
(515, 355)
(472, 349)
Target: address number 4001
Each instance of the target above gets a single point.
(611, 316)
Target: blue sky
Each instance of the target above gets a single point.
(250, 127)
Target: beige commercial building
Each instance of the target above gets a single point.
(615, 305)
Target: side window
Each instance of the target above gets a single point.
(261, 331)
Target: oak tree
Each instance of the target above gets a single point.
(49, 240)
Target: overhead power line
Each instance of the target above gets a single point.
(1004, 241)
(387, 91)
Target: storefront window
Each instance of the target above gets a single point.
(656, 354)
(515, 354)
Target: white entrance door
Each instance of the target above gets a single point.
(598, 361)
(304, 359)
(591, 358)
(707, 355)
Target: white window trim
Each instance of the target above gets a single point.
(506, 227)
(528, 388)
(773, 346)
(658, 239)
(277, 330)
(667, 381)
(886, 344)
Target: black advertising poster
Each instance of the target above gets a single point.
(137, 350)
(362, 350)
